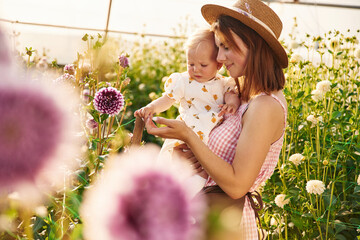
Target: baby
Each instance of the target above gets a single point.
(202, 93)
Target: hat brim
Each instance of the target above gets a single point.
(211, 13)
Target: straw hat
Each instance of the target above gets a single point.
(256, 15)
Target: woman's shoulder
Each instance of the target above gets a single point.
(270, 105)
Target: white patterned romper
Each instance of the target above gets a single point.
(198, 104)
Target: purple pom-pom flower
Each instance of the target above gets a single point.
(123, 61)
(143, 198)
(108, 101)
(38, 144)
(69, 68)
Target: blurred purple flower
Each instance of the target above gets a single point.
(124, 61)
(65, 78)
(69, 68)
(42, 64)
(86, 94)
(38, 144)
(155, 209)
(91, 124)
(30, 126)
(109, 101)
(143, 199)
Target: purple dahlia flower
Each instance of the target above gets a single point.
(91, 124)
(38, 143)
(143, 199)
(109, 101)
(29, 132)
(124, 61)
(65, 78)
(156, 208)
(69, 68)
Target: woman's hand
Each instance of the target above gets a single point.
(184, 152)
(174, 129)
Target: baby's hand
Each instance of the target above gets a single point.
(144, 112)
(227, 108)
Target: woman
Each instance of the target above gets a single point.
(243, 151)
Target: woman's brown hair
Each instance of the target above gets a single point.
(262, 72)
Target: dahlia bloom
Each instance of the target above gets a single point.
(280, 200)
(315, 187)
(295, 58)
(123, 61)
(65, 78)
(323, 86)
(142, 199)
(317, 95)
(42, 64)
(108, 101)
(314, 120)
(296, 159)
(69, 68)
(37, 135)
(91, 124)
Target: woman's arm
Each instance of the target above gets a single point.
(262, 125)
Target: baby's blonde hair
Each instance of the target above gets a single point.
(199, 36)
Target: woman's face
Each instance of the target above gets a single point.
(233, 59)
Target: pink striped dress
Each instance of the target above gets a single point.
(223, 140)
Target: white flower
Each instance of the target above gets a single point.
(323, 86)
(358, 180)
(296, 58)
(311, 118)
(273, 222)
(314, 120)
(41, 211)
(357, 53)
(293, 44)
(315, 187)
(296, 158)
(280, 200)
(142, 86)
(317, 95)
(291, 224)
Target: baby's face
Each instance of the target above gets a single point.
(201, 62)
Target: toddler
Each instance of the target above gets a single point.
(202, 93)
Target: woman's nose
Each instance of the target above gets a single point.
(220, 56)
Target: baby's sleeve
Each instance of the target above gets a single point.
(175, 86)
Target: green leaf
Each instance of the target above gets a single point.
(340, 237)
(103, 117)
(357, 189)
(298, 221)
(339, 226)
(336, 114)
(300, 94)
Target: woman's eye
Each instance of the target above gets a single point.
(203, 65)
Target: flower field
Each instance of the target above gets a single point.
(67, 170)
